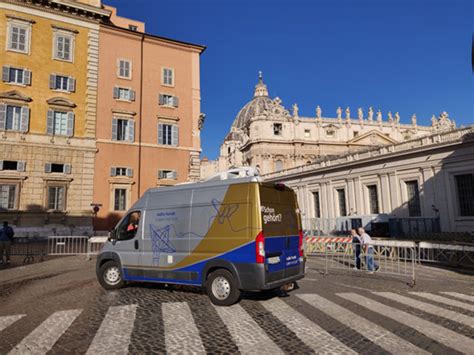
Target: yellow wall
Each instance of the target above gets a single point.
(40, 62)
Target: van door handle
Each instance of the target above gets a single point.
(136, 244)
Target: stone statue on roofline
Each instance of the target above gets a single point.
(318, 111)
(413, 119)
(379, 116)
(360, 114)
(348, 113)
(370, 114)
(397, 118)
(339, 112)
(390, 117)
(434, 121)
(295, 110)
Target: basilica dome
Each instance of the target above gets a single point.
(259, 104)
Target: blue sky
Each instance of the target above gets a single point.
(410, 56)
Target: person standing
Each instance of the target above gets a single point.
(6, 236)
(367, 244)
(356, 245)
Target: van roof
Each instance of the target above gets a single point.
(187, 186)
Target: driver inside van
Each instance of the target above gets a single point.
(133, 224)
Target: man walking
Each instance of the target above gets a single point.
(356, 241)
(6, 236)
(369, 250)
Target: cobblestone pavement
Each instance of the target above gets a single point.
(58, 307)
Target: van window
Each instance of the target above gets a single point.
(278, 208)
(129, 226)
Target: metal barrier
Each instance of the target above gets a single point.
(29, 248)
(450, 254)
(75, 245)
(390, 257)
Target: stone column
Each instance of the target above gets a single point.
(385, 194)
(394, 189)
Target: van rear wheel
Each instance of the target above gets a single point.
(222, 288)
(110, 276)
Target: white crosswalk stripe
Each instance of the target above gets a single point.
(247, 335)
(310, 333)
(460, 296)
(432, 330)
(181, 333)
(42, 338)
(368, 329)
(448, 301)
(428, 308)
(113, 336)
(6, 321)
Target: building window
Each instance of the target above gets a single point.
(120, 171)
(18, 76)
(120, 199)
(60, 123)
(307, 133)
(167, 134)
(330, 133)
(124, 69)
(8, 196)
(317, 206)
(57, 168)
(465, 189)
(355, 134)
(168, 77)
(123, 130)
(63, 47)
(168, 100)
(62, 83)
(373, 199)
(277, 129)
(341, 198)
(56, 198)
(124, 94)
(18, 37)
(278, 165)
(167, 174)
(14, 118)
(133, 27)
(16, 165)
(413, 195)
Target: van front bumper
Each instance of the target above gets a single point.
(255, 277)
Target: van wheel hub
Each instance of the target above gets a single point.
(112, 275)
(221, 288)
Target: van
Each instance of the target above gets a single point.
(232, 235)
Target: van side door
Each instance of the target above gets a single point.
(127, 241)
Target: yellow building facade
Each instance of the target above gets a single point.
(48, 98)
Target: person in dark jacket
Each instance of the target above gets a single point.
(356, 245)
(6, 237)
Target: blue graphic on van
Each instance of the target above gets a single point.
(160, 242)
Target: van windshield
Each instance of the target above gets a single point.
(278, 210)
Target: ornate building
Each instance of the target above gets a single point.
(266, 135)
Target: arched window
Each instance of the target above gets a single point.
(278, 165)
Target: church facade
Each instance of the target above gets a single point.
(266, 135)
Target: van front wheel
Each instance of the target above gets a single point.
(222, 288)
(110, 276)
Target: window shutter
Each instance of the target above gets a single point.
(113, 171)
(160, 174)
(52, 81)
(27, 77)
(10, 28)
(131, 130)
(175, 101)
(67, 168)
(132, 95)
(1, 164)
(25, 119)
(3, 116)
(50, 122)
(174, 138)
(71, 84)
(160, 133)
(6, 73)
(161, 99)
(116, 92)
(70, 124)
(47, 167)
(114, 129)
(20, 166)
(174, 174)
(129, 172)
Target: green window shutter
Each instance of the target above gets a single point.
(3, 116)
(52, 81)
(27, 77)
(25, 119)
(47, 167)
(70, 124)
(71, 84)
(131, 130)
(174, 136)
(160, 133)
(114, 129)
(6, 73)
(50, 122)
